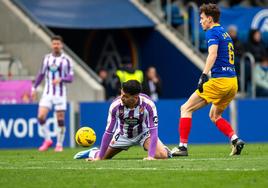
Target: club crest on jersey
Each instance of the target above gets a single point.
(53, 68)
(131, 121)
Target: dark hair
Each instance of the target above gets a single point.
(57, 37)
(132, 87)
(211, 10)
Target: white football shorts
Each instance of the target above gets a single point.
(48, 101)
(123, 142)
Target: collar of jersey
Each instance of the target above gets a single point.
(139, 102)
(214, 25)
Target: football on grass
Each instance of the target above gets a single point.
(85, 136)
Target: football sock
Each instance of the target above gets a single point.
(184, 130)
(45, 131)
(234, 137)
(96, 154)
(183, 144)
(60, 136)
(225, 127)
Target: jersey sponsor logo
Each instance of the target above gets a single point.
(227, 68)
(53, 68)
(131, 121)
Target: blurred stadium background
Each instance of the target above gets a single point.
(104, 35)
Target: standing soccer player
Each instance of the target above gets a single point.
(219, 90)
(57, 70)
(132, 121)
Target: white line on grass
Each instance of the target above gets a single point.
(130, 169)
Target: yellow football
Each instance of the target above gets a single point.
(85, 136)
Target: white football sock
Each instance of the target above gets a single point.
(183, 144)
(93, 153)
(60, 136)
(234, 137)
(45, 131)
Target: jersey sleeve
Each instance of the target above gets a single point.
(112, 119)
(110, 129)
(69, 70)
(152, 116)
(153, 127)
(212, 38)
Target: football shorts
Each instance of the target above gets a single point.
(219, 91)
(48, 101)
(123, 142)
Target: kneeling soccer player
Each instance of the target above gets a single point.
(132, 120)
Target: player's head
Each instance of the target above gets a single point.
(209, 15)
(130, 93)
(56, 44)
(254, 36)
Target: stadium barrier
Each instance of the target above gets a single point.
(18, 123)
(247, 117)
(19, 126)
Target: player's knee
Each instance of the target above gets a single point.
(41, 120)
(214, 117)
(61, 123)
(183, 108)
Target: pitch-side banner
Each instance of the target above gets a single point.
(15, 91)
(19, 126)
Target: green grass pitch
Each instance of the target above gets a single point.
(207, 166)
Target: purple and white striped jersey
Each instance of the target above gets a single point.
(132, 122)
(55, 67)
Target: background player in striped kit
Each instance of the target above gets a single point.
(132, 120)
(57, 70)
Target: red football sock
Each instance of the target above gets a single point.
(225, 127)
(184, 129)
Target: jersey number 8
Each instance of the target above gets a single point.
(231, 53)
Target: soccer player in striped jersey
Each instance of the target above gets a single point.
(218, 90)
(132, 120)
(57, 71)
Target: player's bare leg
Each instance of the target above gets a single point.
(193, 103)
(111, 152)
(42, 115)
(61, 132)
(161, 151)
(224, 126)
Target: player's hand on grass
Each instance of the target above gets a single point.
(92, 159)
(203, 79)
(148, 158)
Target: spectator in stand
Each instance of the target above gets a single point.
(238, 46)
(261, 78)
(152, 84)
(239, 49)
(127, 72)
(110, 93)
(256, 45)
